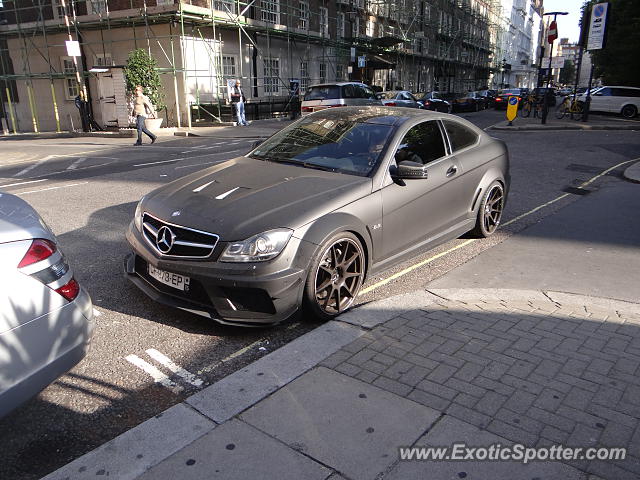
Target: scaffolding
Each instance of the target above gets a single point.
(192, 41)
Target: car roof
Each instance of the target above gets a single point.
(334, 84)
(393, 115)
(616, 86)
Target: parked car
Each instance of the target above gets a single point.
(433, 101)
(615, 99)
(489, 97)
(46, 318)
(399, 98)
(470, 102)
(342, 94)
(300, 222)
(502, 98)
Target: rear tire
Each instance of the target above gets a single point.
(629, 111)
(561, 111)
(490, 211)
(335, 277)
(526, 110)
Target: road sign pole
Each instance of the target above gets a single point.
(587, 102)
(553, 34)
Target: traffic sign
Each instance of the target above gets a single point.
(553, 32)
(597, 27)
(512, 108)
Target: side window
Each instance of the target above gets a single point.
(405, 96)
(605, 92)
(625, 92)
(366, 92)
(348, 91)
(459, 135)
(422, 144)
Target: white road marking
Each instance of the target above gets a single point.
(156, 374)
(34, 165)
(75, 164)
(157, 163)
(52, 188)
(178, 370)
(202, 187)
(22, 183)
(213, 366)
(224, 195)
(196, 165)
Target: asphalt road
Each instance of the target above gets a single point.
(87, 188)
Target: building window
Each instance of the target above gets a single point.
(303, 19)
(355, 27)
(270, 11)
(103, 60)
(304, 76)
(228, 69)
(271, 75)
(97, 7)
(323, 72)
(371, 28)
(324, 22)
(71, 90)
(339, 73)
(226, 6)
(340, 25)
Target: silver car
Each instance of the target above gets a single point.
(399, 98)
(46, 318)
(340, 94)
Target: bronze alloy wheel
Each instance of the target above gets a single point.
(492, 209)
(339, 276)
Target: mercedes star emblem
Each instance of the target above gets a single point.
(165, 239)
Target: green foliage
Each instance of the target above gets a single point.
(617, 63)
(141, 69)
(568, 73)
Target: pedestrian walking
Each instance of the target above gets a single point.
(237, 98)
(142, 107)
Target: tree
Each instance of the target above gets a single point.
(141, 69)
(617, 63)
(567, 73)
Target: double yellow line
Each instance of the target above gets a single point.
(468, 242)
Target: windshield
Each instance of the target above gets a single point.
(510, 91)
(337, 144)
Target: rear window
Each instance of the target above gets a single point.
(511, 91)
(459, 135)
(389, 95)
(328, 92)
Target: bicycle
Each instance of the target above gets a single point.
(531, 103)
(573, 107)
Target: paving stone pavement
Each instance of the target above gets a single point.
(535, 371)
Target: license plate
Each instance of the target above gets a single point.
(174, 280)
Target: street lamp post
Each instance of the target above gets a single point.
(545, 104)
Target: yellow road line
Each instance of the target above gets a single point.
(467, 242)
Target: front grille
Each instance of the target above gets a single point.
(177, 241)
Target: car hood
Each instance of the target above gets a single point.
(19, 221)
(243, 197)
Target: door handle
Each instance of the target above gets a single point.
(452, 171)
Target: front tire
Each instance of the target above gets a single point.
(335, 277)
(490, 211)
(629, 111)
(526, 110)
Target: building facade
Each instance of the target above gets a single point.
(200, 45)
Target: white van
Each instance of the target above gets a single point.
(623, 100)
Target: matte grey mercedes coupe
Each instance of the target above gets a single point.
(300, 222)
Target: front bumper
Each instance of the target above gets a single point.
(251, 294)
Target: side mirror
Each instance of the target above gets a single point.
(409, 170)
(256, 144)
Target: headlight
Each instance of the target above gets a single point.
(137, 217)
(258, 248)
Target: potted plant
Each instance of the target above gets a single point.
(141, 69)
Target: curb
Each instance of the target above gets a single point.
(538, 128)
(137, 450)
(632, 173)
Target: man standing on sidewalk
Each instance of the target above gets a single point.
(142, 107)
(238, 99)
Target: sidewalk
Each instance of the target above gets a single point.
(596, 122)
(429, 368)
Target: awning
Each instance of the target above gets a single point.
(378, 62)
